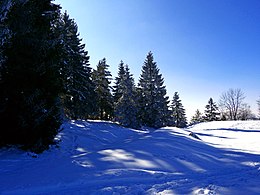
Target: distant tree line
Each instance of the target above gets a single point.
(45, 77)
(144, 104)
(211, 113)
(231, 106)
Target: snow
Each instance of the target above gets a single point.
(97, 157)
(240, 136)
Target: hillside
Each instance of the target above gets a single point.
(96, 157)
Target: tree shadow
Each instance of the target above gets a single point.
(169, 152)
(236, 130)
(211, 135)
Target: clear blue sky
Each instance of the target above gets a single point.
(202, 47)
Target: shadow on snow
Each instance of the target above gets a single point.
(102, 154)
(166, 152)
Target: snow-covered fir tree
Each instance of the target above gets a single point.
(30, 85)
(78, 95)
(197, 118)
(212, 113)
(5, 34)
(154, 111)
(126, 109)
(104, 99)
(178, 112)
(118, 88)
(5, 6)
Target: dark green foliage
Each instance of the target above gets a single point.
(118, 89)
(153, 101)
(78, 89)
(101, 78)
(126, 109)
(178, 112)
(211, 112)
(30, 107)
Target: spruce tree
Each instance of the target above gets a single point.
(118, 89)
(211, 112)
(29, 75)
(78, 89)
(197, 118)
(5, 34)
(178, 112)
(101, 78)
(126, 110)
(154, 111)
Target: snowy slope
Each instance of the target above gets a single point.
(98, 157)
(240, 135)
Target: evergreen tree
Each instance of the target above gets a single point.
(5, 5)
(29, 75)
(126, 109)
(78, 89)
(118, 89)
(178, 112)
(211, 112)
(101, 78)
(197, 118)
(154, 111)
(5, 35)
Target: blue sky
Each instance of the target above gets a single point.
(201, 47)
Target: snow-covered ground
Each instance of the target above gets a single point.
(96, 157)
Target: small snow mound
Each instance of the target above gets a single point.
(32, 154)
(194, 135)
(209, 190)
(117, 190)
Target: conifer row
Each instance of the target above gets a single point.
(45, 78)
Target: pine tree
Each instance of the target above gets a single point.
(5, 35)
(78, 89)
(211, 112)
(118, 89)
(126, 110)
(5, 5)
(178, 112)
(101, 78)
(197, 118)
(154, 111)
(29, 75)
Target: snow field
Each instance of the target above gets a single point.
(96, 157)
